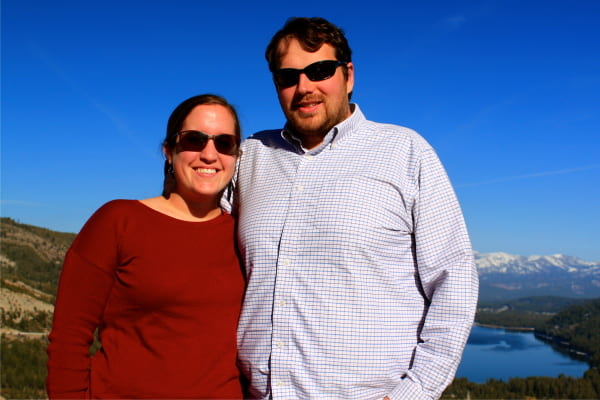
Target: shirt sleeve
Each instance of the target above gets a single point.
(449, 283)
(228, 198)
(86, 279)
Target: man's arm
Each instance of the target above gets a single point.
(449, 283)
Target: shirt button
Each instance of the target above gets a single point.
(282, 303)
(299, 188)
(279, 345)
(279, 383)
(286, 262)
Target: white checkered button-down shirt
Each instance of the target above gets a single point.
(361, 280)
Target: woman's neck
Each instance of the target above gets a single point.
(178, 207)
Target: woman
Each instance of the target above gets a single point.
(159, 278)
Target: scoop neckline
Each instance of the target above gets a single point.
(170, 217)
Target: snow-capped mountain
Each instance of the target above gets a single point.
(508, 263)
(505, 275)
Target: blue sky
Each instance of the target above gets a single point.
(507, 92)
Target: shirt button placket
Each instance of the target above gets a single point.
(279, 369)
(280, 351)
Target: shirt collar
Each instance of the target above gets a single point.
(335, 136)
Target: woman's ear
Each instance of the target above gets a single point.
(167, 154)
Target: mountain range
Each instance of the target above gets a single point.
(508, 276)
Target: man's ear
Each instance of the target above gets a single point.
(350, 79)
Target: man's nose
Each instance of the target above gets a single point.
(305, 85)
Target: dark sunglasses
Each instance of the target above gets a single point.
(318, 71)
(196, 141)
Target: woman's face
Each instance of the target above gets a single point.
(201, 175)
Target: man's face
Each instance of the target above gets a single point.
(313, 108)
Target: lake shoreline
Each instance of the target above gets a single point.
(508, 328)
(496, 352)
(555, 340)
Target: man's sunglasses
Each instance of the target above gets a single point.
(318, 71)
(196, 141)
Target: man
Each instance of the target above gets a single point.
(361, 280)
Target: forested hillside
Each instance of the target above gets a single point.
(30, 262)
(528, 313)
(32, 255)
(578, 327)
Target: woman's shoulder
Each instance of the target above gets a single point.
(119, 206)
(115, 211)
(108, 221)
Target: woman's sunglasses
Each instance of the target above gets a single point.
(318, 71)
(196, 141)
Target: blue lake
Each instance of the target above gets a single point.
(502, 354)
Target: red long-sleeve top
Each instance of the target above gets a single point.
(165, 295)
